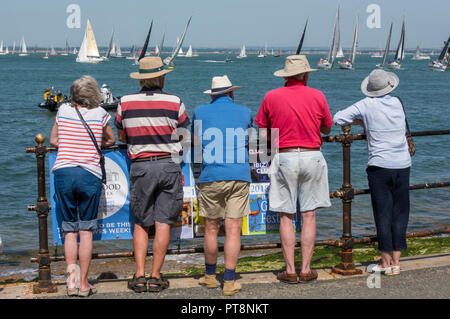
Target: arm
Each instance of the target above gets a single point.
(348, 116)
(54, 135)
(108, 136)
(121, 136)
(325, 130)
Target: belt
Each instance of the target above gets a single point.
(152, 158)
(297, 149)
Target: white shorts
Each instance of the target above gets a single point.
(301, 176)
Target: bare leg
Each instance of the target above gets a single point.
(385, 259)
(71, 254)
(232, 241)
(85, 254)
(212, 227)
(396, 257)
(160, 245)
(287, 237)
(307, 238)
(140, 243)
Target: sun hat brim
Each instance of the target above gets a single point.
(393, 79)
(143, 76)
(283, 74)
(233, 88)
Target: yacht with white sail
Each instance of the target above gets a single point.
(328, 63)
(350, 63)
(419, 56)
(242, 54)
(170, 59)
(52, 51)
(88, 50)
(1, 49)
(443, 60)
(180, 52)
(189, 52)
(340, 53)
(46, 55)
(400, 53)
(66, 49)
(386, 50)
(23, 48)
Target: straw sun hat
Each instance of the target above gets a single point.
(379, 83)
(293, 65)
(149, 68)
(221, 85)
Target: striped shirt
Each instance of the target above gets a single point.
(149, 120)
(75, 147)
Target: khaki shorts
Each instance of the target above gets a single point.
(224, 199)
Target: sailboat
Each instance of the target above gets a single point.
(23, 48)
(300, 44)
(53, 52)
(46, 54)
(189, 52)
(399, 54)
(180, 52)
(340, 53)
(242, 54)
(88, 50)
(1, 49)
(156, 52)
(132, 55)
(328, 63)
(386, 50)
(169, 60)
(442, 62)
(350, 63)
(419, 55)
(66, 49)
(118, 51)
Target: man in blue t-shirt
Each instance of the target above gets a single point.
(220, 137)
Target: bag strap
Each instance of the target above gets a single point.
(408, 132)
(94, 140)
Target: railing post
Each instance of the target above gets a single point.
(346, 267)
(42, 208)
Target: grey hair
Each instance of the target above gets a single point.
(150, 82)
(298, 77)
(85, 92)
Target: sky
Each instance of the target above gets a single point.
(224, 23)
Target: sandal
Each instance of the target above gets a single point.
(92, 290)
(138, 284)
(72, 273)
(159, 284)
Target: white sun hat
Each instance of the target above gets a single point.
(221, 85)
(379, 83)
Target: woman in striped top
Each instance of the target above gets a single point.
(77, 176)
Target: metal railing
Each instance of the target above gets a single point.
(346, 193)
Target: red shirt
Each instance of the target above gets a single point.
(298, 111)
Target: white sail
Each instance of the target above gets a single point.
(75, 51)
(14, 47)
(1, 47)
(180, 52)
(53, 52)
(169, 60)
(89, 50)
(340, 53)
(243, 53)
(189, 52)
(113, 49)
(355, 41)
(156, 52)
(334, 46)
(23, 48)
(7, 50)
(119, 51)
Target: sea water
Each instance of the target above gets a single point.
(23, 80)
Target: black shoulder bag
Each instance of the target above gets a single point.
(91, 135)
(409, 140)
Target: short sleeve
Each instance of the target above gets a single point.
(262, 116)
(106, 118)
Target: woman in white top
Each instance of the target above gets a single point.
(77, 175)
(388, 168)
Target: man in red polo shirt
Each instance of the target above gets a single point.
(298, 171)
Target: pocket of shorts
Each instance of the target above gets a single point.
(172, 168)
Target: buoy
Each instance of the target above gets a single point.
(170, 67)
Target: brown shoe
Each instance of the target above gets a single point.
(305, 277)
(287, 278)
(209, 281)
(230, 287)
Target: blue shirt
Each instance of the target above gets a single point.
(222, 127)
(385, 126)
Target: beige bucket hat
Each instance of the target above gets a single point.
(221, 85)
(149, 68)
(293, 65)
(379, 83)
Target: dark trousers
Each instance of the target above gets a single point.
(389, 189)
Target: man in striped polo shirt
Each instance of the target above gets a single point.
(147, 122)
